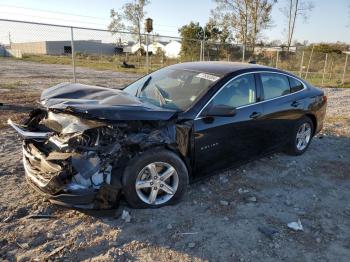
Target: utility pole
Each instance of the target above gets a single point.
(73, 55)
(10, 40)
(149, 29)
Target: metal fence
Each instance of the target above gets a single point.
(124, 51)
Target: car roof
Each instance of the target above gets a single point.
(217, 68)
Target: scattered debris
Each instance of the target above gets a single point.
(169, 226)
(243, 191)
(38, 216)
(252, 199)
(126, 216)
(269, 232)
(288, 203)
(226, 219)
(55, 251)
(297, 226)
(8, 219)
(224, 203)
(22, 245)
(223, 179)
(189, 233)
(191, 245)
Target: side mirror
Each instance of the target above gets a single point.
(220, 110)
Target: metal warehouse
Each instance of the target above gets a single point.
(64, 47)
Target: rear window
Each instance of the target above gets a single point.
(274, 85)
(295, 85)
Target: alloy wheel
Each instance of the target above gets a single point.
(157, 183)
(303, 136)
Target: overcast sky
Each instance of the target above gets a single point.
(328, 22)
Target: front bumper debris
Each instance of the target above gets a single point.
(53, 181)
(27, 134)
(66, 177)
(78, 161)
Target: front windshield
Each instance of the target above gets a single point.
(171, 88)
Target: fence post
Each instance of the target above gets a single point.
(73, 54)
(324, 68)
(277, 55)
(308, 65)
(243, 53)
(147, 58)
(301, 64)
(203, 50)
(346, 63)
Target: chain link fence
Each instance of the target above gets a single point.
(127, 52)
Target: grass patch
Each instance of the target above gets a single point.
(345, 85)
(112, 63)
(10, 85)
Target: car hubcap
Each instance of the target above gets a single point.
(157, 183)
(303, 136)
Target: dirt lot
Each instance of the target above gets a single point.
(220, 219)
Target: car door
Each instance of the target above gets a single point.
(282, 106)
(221, 141)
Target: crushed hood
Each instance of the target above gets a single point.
(102, 103)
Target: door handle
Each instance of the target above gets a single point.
(295, 104)
(255, 115)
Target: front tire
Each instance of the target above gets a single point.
(156, 178)
(301, 137)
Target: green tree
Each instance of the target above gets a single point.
(130, 18)
(191, 36)
(245, 19)
(292, 11)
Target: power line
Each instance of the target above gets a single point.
(54, 12)
(52, 18)
(71, 14)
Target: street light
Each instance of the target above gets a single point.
(149, 29)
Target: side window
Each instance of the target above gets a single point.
(274, 85)
(238, 92)
(295, 85)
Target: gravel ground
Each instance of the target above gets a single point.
(238, 215)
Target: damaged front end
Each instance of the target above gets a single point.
(78, 162)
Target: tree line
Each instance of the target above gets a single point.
(241, 21)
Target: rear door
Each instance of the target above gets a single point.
(223, 141)
(282, 106)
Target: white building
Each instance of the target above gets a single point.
(153, 48)
(172, 49)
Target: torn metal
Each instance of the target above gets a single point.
(75, 149)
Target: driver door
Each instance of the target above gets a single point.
(222, 141)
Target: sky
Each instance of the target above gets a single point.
(328, 22)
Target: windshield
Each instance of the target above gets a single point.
(171, 88)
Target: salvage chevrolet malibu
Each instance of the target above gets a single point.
(85, 146)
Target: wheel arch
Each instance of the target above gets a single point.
(314, 122)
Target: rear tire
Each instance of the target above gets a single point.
(156, 172)
(301, 137)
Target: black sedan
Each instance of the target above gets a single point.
(87, 145)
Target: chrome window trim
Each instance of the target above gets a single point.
(260, 102)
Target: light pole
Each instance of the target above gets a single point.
(149, 29)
